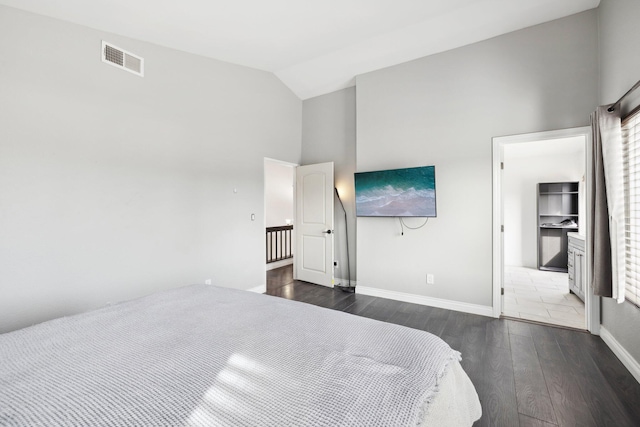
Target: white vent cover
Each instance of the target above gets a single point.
(122, 59)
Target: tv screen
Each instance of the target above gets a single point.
(397, 193)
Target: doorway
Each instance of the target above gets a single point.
(279, 202)
(529, 283)
(299, 220)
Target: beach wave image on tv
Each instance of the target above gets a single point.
(397, 193)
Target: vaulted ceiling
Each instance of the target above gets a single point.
(313, 46)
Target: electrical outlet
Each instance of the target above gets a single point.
(335, 264)
(430, 279)
(207, 282)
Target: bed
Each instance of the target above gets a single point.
(209, 356)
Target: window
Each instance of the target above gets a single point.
(631, 152)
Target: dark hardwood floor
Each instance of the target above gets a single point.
(526, 375)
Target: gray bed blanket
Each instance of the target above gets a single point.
(209, 356)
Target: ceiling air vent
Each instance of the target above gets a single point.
(122, 59)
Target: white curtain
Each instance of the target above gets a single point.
(608, 157)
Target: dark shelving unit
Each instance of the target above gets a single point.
(557, 216)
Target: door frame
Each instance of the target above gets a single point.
(592, 302)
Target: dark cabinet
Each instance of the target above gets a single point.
(557, 216)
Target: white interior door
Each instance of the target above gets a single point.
(314, 223)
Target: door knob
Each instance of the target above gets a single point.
(328, 231)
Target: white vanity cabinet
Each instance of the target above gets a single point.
(577, 265)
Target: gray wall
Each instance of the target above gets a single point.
(113, 186)
(619, 70)
(443, 110)
(329, 135)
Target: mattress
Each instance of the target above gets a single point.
(210, 356)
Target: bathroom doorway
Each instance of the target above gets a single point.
(538, 176)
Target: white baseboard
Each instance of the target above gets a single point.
(627, 360)
(278, 264)
(464, 307)
(259, 289)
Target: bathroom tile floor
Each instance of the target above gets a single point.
(542, 296)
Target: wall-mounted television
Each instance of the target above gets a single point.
(409, 192)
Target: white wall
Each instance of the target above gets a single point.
(619, 70)
(329, 135)
(278, 184)
(526, 165)
(443, 110)
(113, 186)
